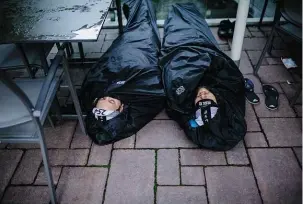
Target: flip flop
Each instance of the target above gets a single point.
(271, 97)
(250, 95)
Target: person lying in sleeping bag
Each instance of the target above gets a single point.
(123, 91)
(204, 87)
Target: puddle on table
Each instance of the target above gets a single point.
(51, 20)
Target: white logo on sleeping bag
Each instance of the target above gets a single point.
(180, 90)
(121, 82)
(204, 103)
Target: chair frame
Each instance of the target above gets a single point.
(269, 43)
(31, 68)
(36, 112)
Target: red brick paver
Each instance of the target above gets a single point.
(160, 165)
(201, 157)
(100, 155)
(192, 176)
(26, 195)
(278, 175)
(28, 167)
(162, 134)
(255, 139)
(8, 163)
(237, 155)
(126, 143)
(181, 195)
(41, 177)
(234, 185)
(168, 172)
(81, 185)
(283, 131)
(131, 177)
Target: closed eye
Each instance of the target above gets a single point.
(112, 102)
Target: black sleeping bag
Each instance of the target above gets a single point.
(190, 58)
(128, 71)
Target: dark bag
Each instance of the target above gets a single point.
(190, 58)
(129, 72)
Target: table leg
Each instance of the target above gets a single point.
(119, 14)
(81, 51)
(74, 95)
(43, 59)
(58, 45)
(68, 51)
(25, 60)
(238, 38)
(71, 48)
(263, 13)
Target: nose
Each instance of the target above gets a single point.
(205, 91)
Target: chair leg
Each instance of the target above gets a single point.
(68, 51)
(57, 108)
(119, 13)
(257, 67)
(81, 51)
(263, 13)
(43, 60)
(50, 121)
(46, 164)
(74, 95)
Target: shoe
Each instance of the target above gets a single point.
(226, 29)
(250, 95)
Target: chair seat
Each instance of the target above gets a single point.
(292, 11)
(24, 130)
(11, 58)
(292, 30)
(13, 112)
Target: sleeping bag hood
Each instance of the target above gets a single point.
(128, 71)
(191, 58)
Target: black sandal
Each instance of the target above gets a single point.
(250, 95)
(271, 97)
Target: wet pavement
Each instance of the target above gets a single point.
(159, 165)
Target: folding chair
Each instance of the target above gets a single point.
(24, 107)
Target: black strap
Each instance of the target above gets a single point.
(205, 108)
(205, 114)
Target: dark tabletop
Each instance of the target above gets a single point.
(51, 20)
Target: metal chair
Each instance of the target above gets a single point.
(24, 107)
(28, 56)
(291, 12)
(263, 13)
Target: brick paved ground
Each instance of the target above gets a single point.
(159, 165)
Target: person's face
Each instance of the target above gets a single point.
(109, 103)
(203, 93)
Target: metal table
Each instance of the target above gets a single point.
(43, 21)
(54, 21)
